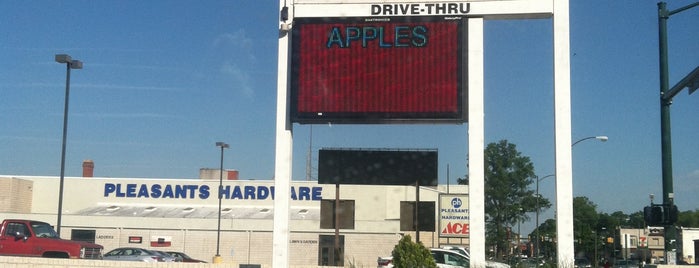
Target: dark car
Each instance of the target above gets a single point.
(582, 263)
(181, 257)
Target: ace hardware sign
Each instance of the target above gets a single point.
(453, 215)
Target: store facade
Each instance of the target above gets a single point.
(182, 215)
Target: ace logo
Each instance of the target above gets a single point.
(456, 228)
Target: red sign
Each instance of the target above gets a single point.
(456, 228)
(371, 70)
(135, 239)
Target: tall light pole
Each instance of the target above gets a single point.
(217, 258)
(536, 246)
(600, 138)
(692, 82)
(70, 64)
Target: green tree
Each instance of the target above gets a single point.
(508, 197)
(585, 220)
(547, 236)
(636, 220)
(688, 218)
(408, 254)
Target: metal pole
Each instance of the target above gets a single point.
(537, 252)
(666, 142)
(670, 232)
(336, 255)
(596, 240)
(536, 245)
(220, 195)
(217, 258)
(63, 151)
(417, 211)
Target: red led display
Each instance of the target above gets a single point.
(378, 70)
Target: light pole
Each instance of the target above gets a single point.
(595, 260)
(519, 237)
(600, 138)
(217, 258)
(70, 64)
(536, 244)
(691, 81)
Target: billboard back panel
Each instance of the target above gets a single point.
(377, 167)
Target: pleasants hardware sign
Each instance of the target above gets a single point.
(196, 191)
(453, 215)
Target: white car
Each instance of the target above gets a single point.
(488, 263)
(443, 257)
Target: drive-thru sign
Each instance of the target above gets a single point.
(306, 93)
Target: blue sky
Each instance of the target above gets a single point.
(164, 80)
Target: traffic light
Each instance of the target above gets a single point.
(660, 214)
(653, 215)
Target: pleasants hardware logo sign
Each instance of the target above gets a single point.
(196, 191)
(453, 215)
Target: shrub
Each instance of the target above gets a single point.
(408, 254)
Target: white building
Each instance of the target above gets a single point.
(649, 244)
(182, 215)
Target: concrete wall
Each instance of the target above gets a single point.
(16, 196)
(22, 262)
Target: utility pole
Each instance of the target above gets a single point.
(666, 94)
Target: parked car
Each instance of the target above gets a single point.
(444, 258)
(133, 254)
(448, 258)
(582, 263)
(181, 257)
(625, 264)
(384, 262)
(488, 263)
(32, 238)
(166, 256)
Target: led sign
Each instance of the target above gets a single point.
(378, 70)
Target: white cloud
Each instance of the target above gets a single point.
(123, 115)
(235, 51)
(238, 43)
(240, 76)
(127, 87)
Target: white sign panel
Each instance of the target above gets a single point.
(453, 215)
(489, 9)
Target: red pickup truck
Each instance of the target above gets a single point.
(38, 239)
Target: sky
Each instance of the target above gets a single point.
(163, 81)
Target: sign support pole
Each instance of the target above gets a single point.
(283, 152)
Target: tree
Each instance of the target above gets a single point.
(408, 254)
(508, 175)
(585, 220)
(547, 236)
(688, 218)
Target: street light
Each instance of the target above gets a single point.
(537, 213)
(690, 81)
(70, 64)
(600, 138)
(217, 258)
